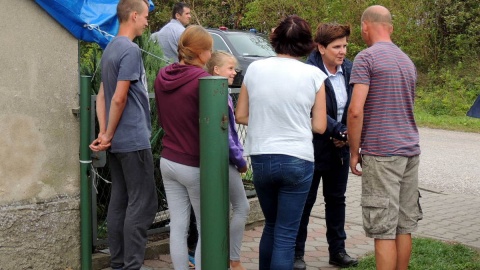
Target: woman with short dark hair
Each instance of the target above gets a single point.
(277, 98)
(331, 148)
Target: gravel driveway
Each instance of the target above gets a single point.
(450, 161)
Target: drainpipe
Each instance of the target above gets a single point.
(85, 183)
(214, 196)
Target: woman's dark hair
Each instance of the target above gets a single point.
(328, 32)
(292, 37)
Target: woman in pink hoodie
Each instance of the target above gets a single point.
(177, 100)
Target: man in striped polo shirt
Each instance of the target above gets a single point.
(384, 140)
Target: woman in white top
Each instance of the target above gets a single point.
(282, 100)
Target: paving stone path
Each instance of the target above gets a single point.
(450, 212)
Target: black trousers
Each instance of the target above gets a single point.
(192, 238)
(334, 188)
(132, 207)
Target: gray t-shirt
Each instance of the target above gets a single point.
(122, 61)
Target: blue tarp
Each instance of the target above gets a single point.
(87, 20)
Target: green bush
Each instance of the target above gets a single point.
(448, 91)
(153, 60)
(437, 35)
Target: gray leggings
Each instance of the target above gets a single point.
(240, 209)
(182, 187)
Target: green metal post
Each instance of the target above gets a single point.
(85, 183)
(214, 197)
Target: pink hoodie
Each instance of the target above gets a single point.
(177, 100)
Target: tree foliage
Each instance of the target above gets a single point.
(209, 13)
(456, 27)
(441, 37)
(430, 31)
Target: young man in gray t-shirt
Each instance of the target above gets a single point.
(124, 120)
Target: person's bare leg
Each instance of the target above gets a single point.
(236, 265)
(404, 250)
(385, 254)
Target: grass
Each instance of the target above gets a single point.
(458, 123)
(429, 254)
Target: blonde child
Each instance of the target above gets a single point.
(223, 64)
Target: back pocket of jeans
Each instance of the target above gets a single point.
(293, 173)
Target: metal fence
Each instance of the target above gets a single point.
(101, 178)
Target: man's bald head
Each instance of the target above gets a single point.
(376, 25)
(377, 14)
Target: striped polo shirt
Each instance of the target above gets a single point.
(389, 127)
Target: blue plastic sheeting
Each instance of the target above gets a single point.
(475, 109)
(87, 20)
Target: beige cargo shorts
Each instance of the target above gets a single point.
(390, 196)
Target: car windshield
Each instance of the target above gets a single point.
(247, 44)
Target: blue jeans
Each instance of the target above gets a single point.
(334, 188)
(282, 183)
